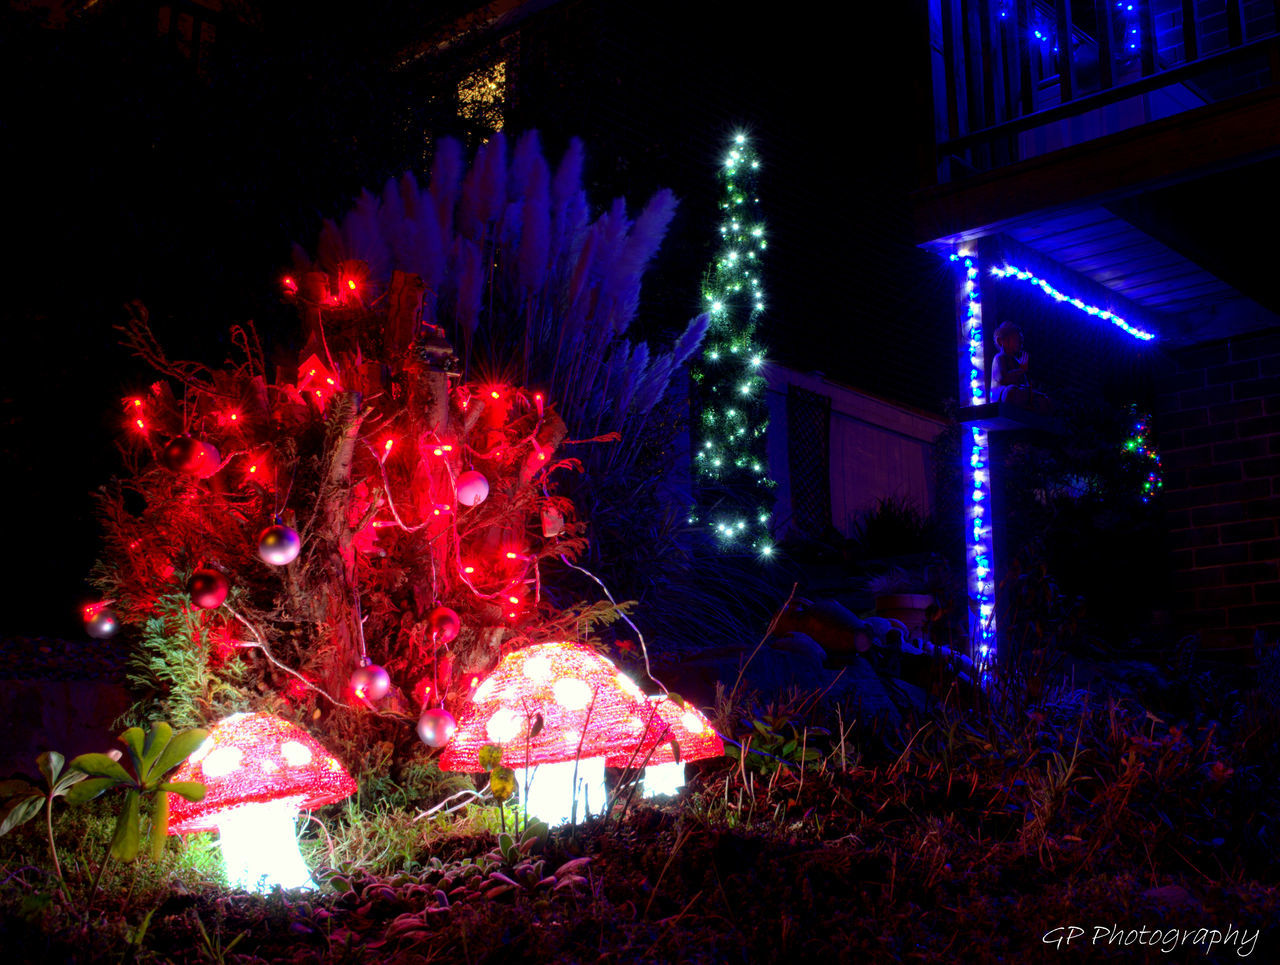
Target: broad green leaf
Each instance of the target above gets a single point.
(677, 700)
(69, 778)
(490, 756)
(19, 809)
(17, 786)
(159, 824)
(502, 782)
(538, 829)
(675, 749)
(50, 764)
(124, 843)
(505, 843)
(538, 724)
(157, 740)
(90, 788)
(135, 740)
(100, 765)
(179, 749)
(191, 790)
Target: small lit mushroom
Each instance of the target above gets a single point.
(259, 772)
(586, 712)
(687, 727)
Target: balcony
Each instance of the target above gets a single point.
(1016, 79)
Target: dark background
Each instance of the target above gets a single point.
(137, 170)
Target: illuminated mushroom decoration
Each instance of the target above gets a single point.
(671, 720)
(552, 707)
(259, 772)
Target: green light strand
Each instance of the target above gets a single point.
(735, 491)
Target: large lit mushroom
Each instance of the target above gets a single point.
(554, 708)
(673, 722)
(259, 771)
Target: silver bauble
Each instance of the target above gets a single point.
(102, 623)
(436, 727)
(370, 682)
(278, 545)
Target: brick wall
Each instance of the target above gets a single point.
(1219, 431)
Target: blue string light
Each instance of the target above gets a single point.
(1129, 24)
(980, 555)
(1106, 314)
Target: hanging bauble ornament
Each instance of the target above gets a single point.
(191, 456)
(278, 544)
(207, 588)
(436, 727)
(552, 521)
(100, 622)
(473, 488)
(370, 681)
(444, 624)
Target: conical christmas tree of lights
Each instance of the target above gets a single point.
(734, 491)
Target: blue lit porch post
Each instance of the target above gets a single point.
(975, 459)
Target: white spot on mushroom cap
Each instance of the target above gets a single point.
(572, 693)
(295, 753)
(503, 726)
(538, 669)
(630, 686)
(692, 722)
(485, 690)
(221, 761)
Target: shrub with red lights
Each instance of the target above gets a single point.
(368, 460)
(360, 497)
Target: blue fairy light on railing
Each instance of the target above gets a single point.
(1132, 39)
(1021, 274)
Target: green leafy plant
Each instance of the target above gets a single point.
(20, 800)
(153, 757)
(776, 741)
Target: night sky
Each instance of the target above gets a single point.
(130, 177)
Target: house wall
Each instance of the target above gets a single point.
(877, 449)
(1219, 431)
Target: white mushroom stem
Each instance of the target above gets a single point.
(662, 779)
(260, 846)
(552, 791)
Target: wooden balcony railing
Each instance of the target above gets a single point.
(1017, 78)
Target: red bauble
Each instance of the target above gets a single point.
(207, 588)
(191, 456)
(444, 624)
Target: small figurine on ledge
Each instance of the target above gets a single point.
(1009, 379)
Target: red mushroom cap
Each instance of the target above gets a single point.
(560, 682)
(686, 725)
(254, 758)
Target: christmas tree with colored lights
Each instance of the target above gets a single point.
(369, 527)
(734, 491)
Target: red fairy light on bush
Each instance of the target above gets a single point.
(316, 381)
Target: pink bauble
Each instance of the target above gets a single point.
(473, 488)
